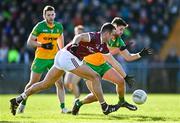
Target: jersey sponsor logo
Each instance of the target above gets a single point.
(45, 30)
(117, 43)
(99, 47)
(93, 50)
(57, 30)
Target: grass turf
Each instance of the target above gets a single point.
(45, 108)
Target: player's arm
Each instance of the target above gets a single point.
(114, 51)
(131, 57)
(117, 66)
(60, 41)
(84, 37)
(32, 41)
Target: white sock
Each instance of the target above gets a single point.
(24, 96)
(21, 97)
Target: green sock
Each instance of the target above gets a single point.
(79, 103)
(62, 105)
(24, 102)
(121, 100)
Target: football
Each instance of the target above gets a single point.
(139, 96)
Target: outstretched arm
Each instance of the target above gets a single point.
(131, 57)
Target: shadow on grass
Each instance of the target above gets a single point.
(126, 117)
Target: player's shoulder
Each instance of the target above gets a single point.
(40, 24)
(94, 34)
(58, 24)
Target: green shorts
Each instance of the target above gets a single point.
(101, 69)
(41, 65)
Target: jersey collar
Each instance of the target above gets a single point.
(50, 26)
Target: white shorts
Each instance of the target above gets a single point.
(66, 61)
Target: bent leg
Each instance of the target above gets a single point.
(85, 72)
(34, 77)
(113, 76)
(60, 90)
(51, 77)
(90, 98)
(71, 82)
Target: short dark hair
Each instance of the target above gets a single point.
(48, 8)
(107, 27)
(119, 22)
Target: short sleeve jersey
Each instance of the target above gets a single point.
(97, 58)
(87, 48)
(47, 34)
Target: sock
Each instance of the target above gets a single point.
(121, 100)
(24, 102)
(79, 103)
(104, 106)
(62, 105)
(21, 97)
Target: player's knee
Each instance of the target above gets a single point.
(67, 85)
(95, 77)
(59, 84)
(121, 82)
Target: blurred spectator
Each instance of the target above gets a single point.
(3, 52)
(150, 21)
(13, 56)
(172, 61)
(24, 56)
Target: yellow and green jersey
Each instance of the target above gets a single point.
(116, 43)
(97, 58)
(47, 34)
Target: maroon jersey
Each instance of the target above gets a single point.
(87, 48)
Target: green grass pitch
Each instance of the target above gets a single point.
(159, 108)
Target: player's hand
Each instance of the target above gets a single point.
(48, 46)
(145, 52)
(130, 80)
(74, 47)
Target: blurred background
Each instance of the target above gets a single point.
(152, 23)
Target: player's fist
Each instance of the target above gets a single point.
(48, 46)
(74, 47)
(145, 52)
